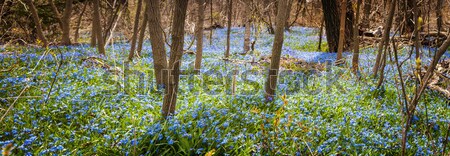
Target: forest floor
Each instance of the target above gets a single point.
(70, 101)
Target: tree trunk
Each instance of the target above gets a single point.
(98, 29)
(157, 42)
(409, 16)
(247, 17)
(176, 51)
(385, 39)
(267, 14)
(271, 83)
(211, 21)
(439, 19)
(288, 14)
(66, 23)
(135, 31)
(417, 26)
(342, 29)
(331, 24)
(348, 42)
(365, 24)
(77, 31)
(355, 59)
(93, 28)
(37, 22)
(142, 32)
(319, 47)
(57, 14)
(229, 13)
(199, 33)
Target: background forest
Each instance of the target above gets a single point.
(224, 77)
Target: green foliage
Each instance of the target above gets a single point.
(309, 46)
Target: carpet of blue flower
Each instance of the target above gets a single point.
(91, 111)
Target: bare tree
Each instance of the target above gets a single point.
(248, 18)
(288, 14)
(266, 12)
(135, 31)
(94, 26)
(416, 30)
(355, 59)
(385, 40)
(64, 20)
(409, 18)
(157, 41)
(199, 33)
(142, 31)
(211, 21)
(37, 22)
(342, 29)
(365, 24)
(439, 19)
(272, 77)
(176, 51)
(229, 13)
(331, 24)
(97, 28)
(77, 31)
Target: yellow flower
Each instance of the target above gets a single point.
(7, 149)
(418, 63)
(420, 22)
(211, 153)
(38, 42)
(255, 110)
(276, 121)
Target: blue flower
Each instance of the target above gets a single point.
(170, 142)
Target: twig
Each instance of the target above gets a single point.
(56, 76)
(446, 139)
(9, 108)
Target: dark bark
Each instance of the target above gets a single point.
(331, 15)
(176, 51)
(417, 25)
